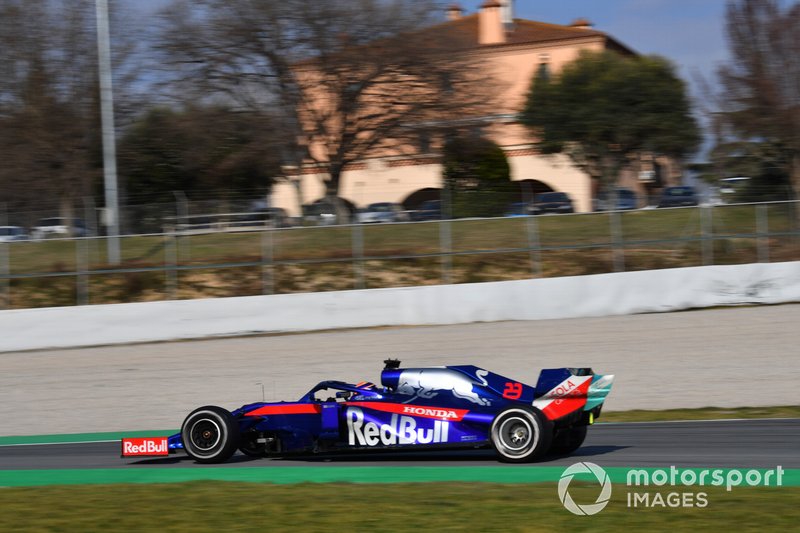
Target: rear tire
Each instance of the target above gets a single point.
(521, 435)
(210, 435)
(568, 440)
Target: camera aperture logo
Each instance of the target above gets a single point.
(586, 509)
(646, 486)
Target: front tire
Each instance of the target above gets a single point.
(210, 435)
(521, 435)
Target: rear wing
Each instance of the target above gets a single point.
(564, 391)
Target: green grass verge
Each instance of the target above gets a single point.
(82, 437)
(217, 506)
(290, 475)
(703, 413)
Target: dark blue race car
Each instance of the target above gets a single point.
(412, 409)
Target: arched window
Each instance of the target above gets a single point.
(543, 72)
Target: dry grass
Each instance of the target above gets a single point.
(333, 247)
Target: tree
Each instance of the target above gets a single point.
(604, 109)
(346, 78)
(477, 177)
(760, 99)
(49, 104)
(197, 150)
(46, 93)
(762, 165)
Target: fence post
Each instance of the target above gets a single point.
(90, 217)
(445, 248)
(617, 246)
(182, 213)
(93, 231)
(445, 235)
(707, 234)
(267, 275)
(81, 271)
(762, 233)
(357, 238)
(5, 272)
(5, 263)
(794, 217)
(170, 264)
(532, 225)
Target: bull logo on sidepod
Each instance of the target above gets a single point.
(427, 384)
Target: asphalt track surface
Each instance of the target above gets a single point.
(719, 357)
(696, 444)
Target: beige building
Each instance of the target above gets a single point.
(513, 50)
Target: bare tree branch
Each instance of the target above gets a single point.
(761, 84)
(351, 79)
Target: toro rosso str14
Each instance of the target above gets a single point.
(412, 409)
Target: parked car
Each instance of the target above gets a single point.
(380, 212)
(429, 210)
(552, 202)
(319, 214)
(678, 197)
(625, 199)
(59, 227)
(518, 209)
(12, 233)
(730, 189)
(271, 217)
(196, 223)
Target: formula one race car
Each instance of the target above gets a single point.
(413, 408)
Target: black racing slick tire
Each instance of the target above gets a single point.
(568, 440)
(521, 435)
(210, 435)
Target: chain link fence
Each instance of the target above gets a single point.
(260, 257)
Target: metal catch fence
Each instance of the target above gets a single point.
(258, 256)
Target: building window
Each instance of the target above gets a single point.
(446, 82)
(424, 142)
(543, 72)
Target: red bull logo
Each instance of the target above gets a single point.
(145, 446)
(400, 430)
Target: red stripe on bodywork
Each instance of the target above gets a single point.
(562, 407)
(437, 413)
(571, 401)
(288, 409)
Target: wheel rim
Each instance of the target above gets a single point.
(205, 434)
(516, 435)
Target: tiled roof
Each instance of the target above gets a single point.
(527, 32)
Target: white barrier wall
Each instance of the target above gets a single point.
(538, 299)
